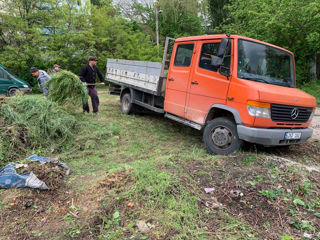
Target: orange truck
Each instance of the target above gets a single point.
(233, 88)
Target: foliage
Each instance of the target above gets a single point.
(32, 122)
(218, 12)
(291, 24)
(118, 38)
(312, 88)
(67, 89)
(176, 17)
(44, 33)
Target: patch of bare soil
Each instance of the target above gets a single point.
(112, 213)
(307, 152)
(264, 194)
(31, 213)
(27, 213)
(117, 217)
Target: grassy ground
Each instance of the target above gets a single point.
(153, 171)
(312, 88)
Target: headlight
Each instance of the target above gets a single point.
(25, 86)
(258, 109)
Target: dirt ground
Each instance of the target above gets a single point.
(315, 124)
(257, 192)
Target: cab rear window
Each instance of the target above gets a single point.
(183, 55)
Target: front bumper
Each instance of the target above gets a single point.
(272, 137)
(26, 90)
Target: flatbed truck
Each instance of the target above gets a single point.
(231, 87)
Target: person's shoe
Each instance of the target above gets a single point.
(95, 113)
(85, 112)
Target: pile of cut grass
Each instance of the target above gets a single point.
(66, 89)
(30, 122)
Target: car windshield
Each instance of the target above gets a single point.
(262, 63)
(10, 72)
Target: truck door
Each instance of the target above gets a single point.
(5, 82)
(178, 78)
(207, 85)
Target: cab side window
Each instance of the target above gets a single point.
(183, 55)
(208, 52)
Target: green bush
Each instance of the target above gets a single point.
(313, 88)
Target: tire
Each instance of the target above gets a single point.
(127, 106)
(12, 92)
(220, 136)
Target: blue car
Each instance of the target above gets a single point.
(11, 84)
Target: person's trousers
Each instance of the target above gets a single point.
(92, 92)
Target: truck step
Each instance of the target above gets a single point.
(147, 106)
(183, 121)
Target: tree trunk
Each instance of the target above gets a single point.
(318, 66)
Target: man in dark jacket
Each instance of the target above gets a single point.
(88, 75)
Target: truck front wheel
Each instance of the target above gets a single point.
(126, 104)
(221, 137)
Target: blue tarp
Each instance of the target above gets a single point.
(9, 178)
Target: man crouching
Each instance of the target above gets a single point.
(42, 78)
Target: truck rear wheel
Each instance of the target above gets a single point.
(221, 137)
(127, 106)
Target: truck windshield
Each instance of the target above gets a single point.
(262, 63)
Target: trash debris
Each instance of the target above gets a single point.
(28, 203)
(308, 236)
(209, 190)
(35, 172)
(215, 204)
(236, 194)
(143, 227)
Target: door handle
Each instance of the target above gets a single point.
(171, 79)
(194, 83)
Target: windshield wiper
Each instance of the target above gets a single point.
(282, 84)
(256, 79)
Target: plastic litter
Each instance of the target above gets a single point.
(9, 178)
(209, 190)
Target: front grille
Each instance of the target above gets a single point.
(286, 113)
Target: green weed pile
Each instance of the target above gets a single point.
(65, 88)
(29, 122)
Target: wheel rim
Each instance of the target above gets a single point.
(222, 137)
(126, 104)
(12, 92)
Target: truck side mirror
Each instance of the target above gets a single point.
(222, 51)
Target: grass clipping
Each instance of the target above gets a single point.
(66, 89)
(29, 122)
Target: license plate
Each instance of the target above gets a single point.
(290, 135)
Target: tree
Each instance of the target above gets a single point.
(291, 24)
(42, 33)
(217, 12)
(179, 18)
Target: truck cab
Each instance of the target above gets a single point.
(10, 84)
(233, 88)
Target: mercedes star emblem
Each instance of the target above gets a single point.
(294, 113)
